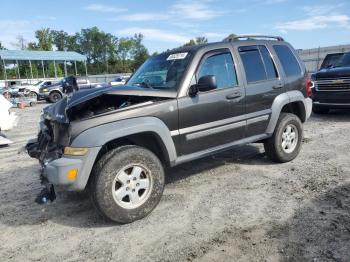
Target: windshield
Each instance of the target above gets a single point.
(38, 83)
(163, 71)
(344, 61)
(331, 60)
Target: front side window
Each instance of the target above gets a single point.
(163, 71)
(258, 64)
(221, 66)
(289, 63)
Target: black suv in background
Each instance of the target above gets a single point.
(178, 106)
(331, 86)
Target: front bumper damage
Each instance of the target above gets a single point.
(55, 166)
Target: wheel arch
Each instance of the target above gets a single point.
(147, 139)
(289, 102)
(148, 132)
(56, 91)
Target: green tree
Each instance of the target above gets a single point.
(51, 70)
(32, 46)
(140, 52)
(98, 47)
(197, 41)
(104, 51)
(44, 39)
(131, 53)
(60, 39)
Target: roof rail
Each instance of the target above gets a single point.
(253, 37)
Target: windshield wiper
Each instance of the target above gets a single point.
(143, 84)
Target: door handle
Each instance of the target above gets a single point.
(234, 95)
(278, 86)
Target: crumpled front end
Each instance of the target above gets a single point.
(47, 148)
(61, 163)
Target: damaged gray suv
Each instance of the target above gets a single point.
(178, 106)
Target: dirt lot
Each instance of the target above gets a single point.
(236, 206)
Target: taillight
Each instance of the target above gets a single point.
(309, 85)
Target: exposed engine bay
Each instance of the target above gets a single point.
(104, 104)
(55, 127)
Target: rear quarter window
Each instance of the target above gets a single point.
(288, 60)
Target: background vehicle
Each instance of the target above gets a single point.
(54, 92)
(330, 60)
(34, 90)
(28, 90)
(332, 86)
(121, 80)
(178, 106)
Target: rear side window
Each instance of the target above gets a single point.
(289, 63)
(222, 67)
(270, 67)
(258, 64)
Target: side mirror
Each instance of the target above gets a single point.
(207, 83)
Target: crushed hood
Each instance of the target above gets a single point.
(58, 111)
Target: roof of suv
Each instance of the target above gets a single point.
(248, 40)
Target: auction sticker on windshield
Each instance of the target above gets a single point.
(177, 56)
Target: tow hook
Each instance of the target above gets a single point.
(46, 194)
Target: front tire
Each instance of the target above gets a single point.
(127, 184)
(55, 96)
(285, 143)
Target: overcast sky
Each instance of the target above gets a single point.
(167, 24)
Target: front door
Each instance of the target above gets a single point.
(212, 118)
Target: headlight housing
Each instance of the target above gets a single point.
(75, 151)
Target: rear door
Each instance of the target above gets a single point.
(263, 84)
(212, 118)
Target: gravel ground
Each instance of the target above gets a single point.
(235, 206)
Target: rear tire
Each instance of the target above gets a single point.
(55, 96)
(285, 143)
(127, 184)
(320, 110)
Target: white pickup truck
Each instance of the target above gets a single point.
(34, 89)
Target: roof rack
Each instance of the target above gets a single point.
(253, 37)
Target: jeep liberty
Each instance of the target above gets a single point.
(180, 105)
